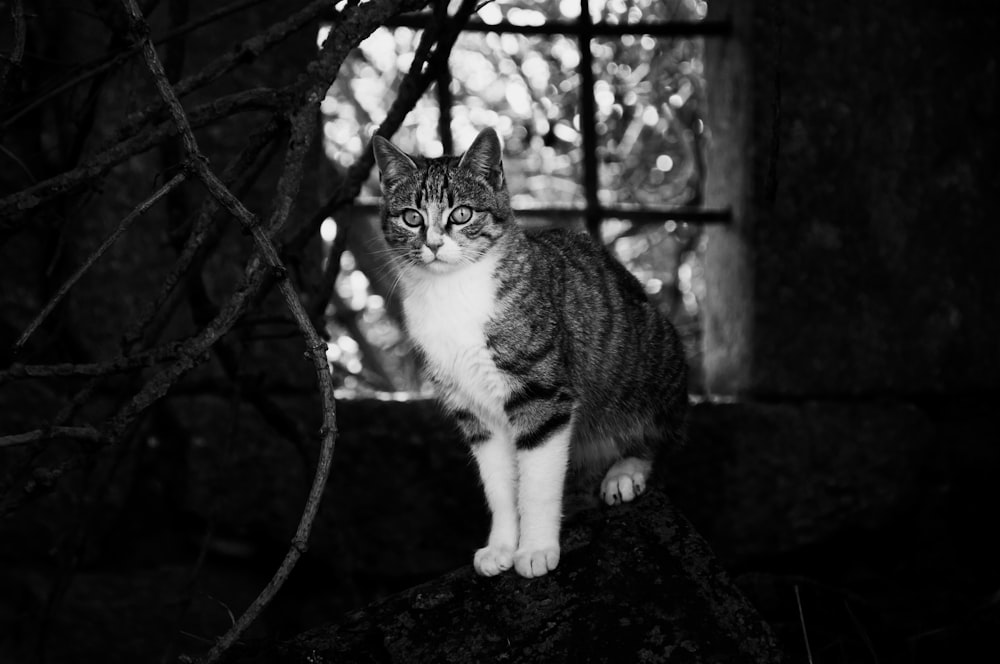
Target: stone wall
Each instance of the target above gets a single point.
(856, 146)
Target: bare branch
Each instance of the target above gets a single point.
(210, 17)
(20, 38)
(38, 435)
(356, 23)
(137, 212)
(104, 65)
(240, 174)
(113, 60)
(31, 197)
(193, 352)
(287, 188)
(413, 86)
(295, 104)
(17, 160)
(140, 360)
(246, 51)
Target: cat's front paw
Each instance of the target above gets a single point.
(532, 562)
(493, 559)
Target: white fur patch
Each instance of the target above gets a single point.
(498, 471)
(541, 475)
(446, 314)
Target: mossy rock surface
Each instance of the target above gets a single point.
(635, 584)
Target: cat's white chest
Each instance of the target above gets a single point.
(447, 315)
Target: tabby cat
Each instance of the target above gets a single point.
(545, 349)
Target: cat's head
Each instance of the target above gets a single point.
(444, 213)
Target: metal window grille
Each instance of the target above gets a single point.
(584, 29)
(596, 203)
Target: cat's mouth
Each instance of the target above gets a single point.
(438, 265)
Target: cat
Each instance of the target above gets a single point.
(544, 348)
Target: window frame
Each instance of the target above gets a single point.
(584, 29)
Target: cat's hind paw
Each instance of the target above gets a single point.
(493, 559)
(530, 563)
(625, 480)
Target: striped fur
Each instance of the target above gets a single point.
(543, 346)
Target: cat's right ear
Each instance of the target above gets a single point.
(392, 162)
(484, 157)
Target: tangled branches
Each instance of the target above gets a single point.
(73, 155)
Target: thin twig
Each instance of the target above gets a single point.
(248, 50)
(802, 621)
(300, 541)
(17, 160)
(102, 162)
(861, 630)
(140, 360)
(112, 60)
(193, 353)
(198, 161)
(210, 17)
(137, 212)
(240, 174)
(211, 521)
(108, 63)
(48, 433)
(20, 38)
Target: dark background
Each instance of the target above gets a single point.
(842, 461)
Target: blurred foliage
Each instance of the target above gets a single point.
(648, 96)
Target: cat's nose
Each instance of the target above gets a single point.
(434, 246)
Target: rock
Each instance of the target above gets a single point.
(636, 583)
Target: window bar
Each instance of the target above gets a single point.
(641, 216)
(588, 120)
(585, 30)
(706, 28)
(443, 83)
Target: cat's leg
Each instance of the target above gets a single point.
(541, 480)
(625, 480)
(497, 463)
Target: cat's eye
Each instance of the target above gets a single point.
(461, 214)
(412, 218)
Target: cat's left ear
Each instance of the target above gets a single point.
(392, 162)
(484, 158)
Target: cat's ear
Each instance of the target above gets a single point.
(484, 158)
(392, 162)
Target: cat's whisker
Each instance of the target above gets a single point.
(385, 271)
(392, 286)
(384, 251)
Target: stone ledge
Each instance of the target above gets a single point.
(635, 584)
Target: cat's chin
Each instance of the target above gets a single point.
(440, 267)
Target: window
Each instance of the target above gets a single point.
(599, 104)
